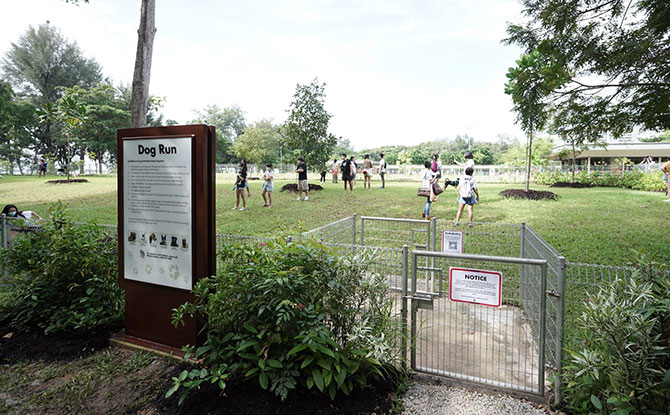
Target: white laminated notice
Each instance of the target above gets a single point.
(452, 242)
(475, 286)
(157, 211)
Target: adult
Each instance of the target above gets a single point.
(11, 211)
(345, 168)
(303, 186)
(382, 168)
(427, 180)
(240, 183)
(335, 171)
(436, 166)
(246, 182)
(666, 177)
(268, 185)
(367, 171)
(42, 168)
(469, 160)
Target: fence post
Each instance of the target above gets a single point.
(403, 309)
(3, 229)
(522, 268)
(412, 338)
(353, 245)
(543, 333)
(560, 323)
(362, 230)
(434, 225)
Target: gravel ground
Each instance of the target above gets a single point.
(430, 398)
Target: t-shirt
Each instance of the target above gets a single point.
(346, 168)
(382, 166)
(268, 176)
(428, 175)
(468, 184)
(469, 163)
(303, 174)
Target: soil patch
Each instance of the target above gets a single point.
(293, 188)
(531, 194)
(250, 399)
(17, 346)
(65, 181)
(575, 185)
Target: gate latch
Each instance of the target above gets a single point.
(553, 293)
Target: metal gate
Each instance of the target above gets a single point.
(500, 346)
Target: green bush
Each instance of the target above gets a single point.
(625, 366)
(289, 316)
(652, 182)
(63, 277)
(635, 179)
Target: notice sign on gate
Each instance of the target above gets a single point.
(475, 286)
(452, 242)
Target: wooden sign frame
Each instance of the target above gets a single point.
(148, 313)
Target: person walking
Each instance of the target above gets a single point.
(427, 180)
(467, 195)
(240, 183)
(367, 172)
(268, 185)
(666, 177)
(345, 168)
(303, 186)
(354, 170)
(335, 171)
(382, 168)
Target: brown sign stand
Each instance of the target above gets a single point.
(149, 305)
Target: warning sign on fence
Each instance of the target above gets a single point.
(475, 286)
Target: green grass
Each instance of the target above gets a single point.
(598, 225)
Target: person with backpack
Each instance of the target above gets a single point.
(436, 166)
(382, 168)
(467, 195)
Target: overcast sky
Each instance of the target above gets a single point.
(397, 71)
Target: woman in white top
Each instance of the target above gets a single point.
(469, 162)
(427, 181)
(12, 211)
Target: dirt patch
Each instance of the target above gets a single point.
(575, 185)
(16, 346)
(531, 194)
(293, 188)
(65, 181)
(250, 399)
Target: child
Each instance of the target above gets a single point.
(240, 182)
(466, 195)
(268, 185)
(469, 160)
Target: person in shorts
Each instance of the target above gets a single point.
(367, 172)
(335, 171)
(354, 170)
(467, 195)
(303, 186)
(240, 183)
(382, 168)
(665, 168)
(268, 185)
(345, 168)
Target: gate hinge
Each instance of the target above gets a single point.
(553, 293)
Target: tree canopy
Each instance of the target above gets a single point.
(229, 123)
(306, 129)
(601, 63)
(259, 143)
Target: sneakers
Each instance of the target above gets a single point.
(235, 208)
(241, 208)
(298, 198)
(667, 200)
(306, 197)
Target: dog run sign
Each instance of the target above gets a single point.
(166, 226)
(475, 286)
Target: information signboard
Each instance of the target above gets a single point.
(475, 286)
(157, 212)
(452, 242)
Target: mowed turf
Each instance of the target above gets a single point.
(598, 225)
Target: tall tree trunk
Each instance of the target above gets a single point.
(141, 77)
(530, 158)
(574, 156)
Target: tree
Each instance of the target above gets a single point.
(17, 122)
(343, 146)
(306, 129)
(517, 154)
(611, 57)
(40, 64)
(70, 115)
(229, 123)
(142, 73)
(107, 112)
(259, 143)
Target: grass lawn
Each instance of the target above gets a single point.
(599, 225)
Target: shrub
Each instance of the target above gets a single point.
(634, 179)
(63, 277)
(625, 366)
(652, 182)
(291, 316)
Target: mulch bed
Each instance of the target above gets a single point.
(250, 399)
(65, 181)
(17, 346)
(293, 188)
(570, 184)
(531, 194)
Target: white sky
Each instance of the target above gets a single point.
(397, 71)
